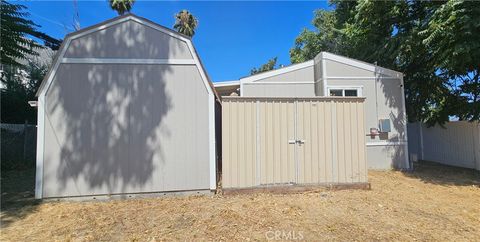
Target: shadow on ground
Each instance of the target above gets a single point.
(17, 187)
(18, 195)
(432, 172)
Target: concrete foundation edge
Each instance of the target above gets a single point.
(106, 197)
(284, 189)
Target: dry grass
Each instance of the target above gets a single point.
(433, 203)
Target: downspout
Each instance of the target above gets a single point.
(376, 93)
(421, 139)
(408, 163)
(240, 92)
(324, 75)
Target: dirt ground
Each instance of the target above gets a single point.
(434, 203)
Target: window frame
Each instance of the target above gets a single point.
(359, 90)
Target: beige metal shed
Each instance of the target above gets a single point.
(303, 141)
(334, 75)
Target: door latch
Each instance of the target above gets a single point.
(297, 141)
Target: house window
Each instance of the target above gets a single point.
(344, 91)
(336, 92)
(350, 92)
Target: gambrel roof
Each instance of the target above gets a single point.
(59, 57)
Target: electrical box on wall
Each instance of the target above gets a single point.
(385, 125)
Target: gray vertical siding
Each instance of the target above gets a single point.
(126, 128)
(334, 68)
(300, 75)
(278, 90)
(128, 40)
(298, 83)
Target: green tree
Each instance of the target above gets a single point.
(121, 6)
(15, 29)
(185, 23)
(370, 31)
(387, 33)
(417, 38)
(453, 37)
(270, 65)
(22, 71)
(16, 32)
(325, 37)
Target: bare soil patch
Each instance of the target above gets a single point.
(434, 203)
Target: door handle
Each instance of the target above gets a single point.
(297, 141)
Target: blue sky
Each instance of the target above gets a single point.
(232, 37)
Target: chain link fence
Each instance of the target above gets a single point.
(18, 146)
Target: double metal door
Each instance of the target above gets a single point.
(294, 142)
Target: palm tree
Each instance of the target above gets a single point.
(185, 23)
(121, 6)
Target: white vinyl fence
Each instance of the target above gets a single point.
(455, 144)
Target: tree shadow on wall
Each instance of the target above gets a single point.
(108, 118)
(394, 99)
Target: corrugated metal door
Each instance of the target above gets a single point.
(329, 136)
(292, 141)
(276, 127)
(314, 141)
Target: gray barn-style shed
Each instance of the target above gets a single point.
(127, 107)
(333, 75)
